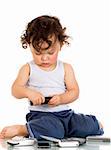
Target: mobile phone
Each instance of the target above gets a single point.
(44, 144)
(47, 99)
(21, 141)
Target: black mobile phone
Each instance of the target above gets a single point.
(44, 144)
(47, 99)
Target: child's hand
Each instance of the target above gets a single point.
(54, 101)
(35, 97)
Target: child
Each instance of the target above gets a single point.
(46, 76)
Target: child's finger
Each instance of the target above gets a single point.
(43, 99)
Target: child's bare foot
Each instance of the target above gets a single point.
(101, 126)
(14, 130)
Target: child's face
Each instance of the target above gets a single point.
(46, 58)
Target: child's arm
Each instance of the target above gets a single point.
(20, 90)
(72, 89)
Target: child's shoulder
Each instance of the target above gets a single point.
(67, 66)
(25, 68)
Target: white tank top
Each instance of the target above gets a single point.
(48, 83)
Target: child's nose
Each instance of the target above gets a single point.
(44, 57)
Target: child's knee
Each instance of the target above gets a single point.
(48, 126)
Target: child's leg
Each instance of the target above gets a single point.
(48, 125)
(14, 130)
(85, 125)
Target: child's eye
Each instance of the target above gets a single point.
(51, 53)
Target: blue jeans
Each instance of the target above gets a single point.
(62, 124)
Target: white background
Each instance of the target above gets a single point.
(88, 24)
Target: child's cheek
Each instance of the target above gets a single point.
(54, 58)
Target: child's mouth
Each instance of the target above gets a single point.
(45, 65)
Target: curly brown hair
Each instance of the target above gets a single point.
(40, 29)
